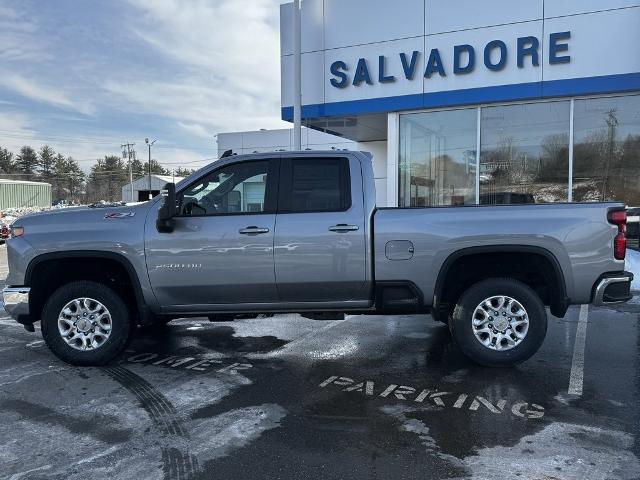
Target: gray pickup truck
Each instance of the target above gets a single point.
(300, 232)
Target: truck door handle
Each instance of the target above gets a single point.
(343, 227)
(253, 230)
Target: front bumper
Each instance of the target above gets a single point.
(16, 301)
(613, 288)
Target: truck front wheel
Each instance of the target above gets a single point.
(499, 322)
(85, 323)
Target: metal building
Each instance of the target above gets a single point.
(141, 187)
(19, 193)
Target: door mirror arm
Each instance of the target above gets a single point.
(169, 209)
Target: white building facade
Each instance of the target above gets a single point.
(467, 102)
(282, 140)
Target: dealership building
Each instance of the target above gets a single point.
(467, 102)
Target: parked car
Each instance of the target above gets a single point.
(4, 232)
(300, 232)
(506, 198)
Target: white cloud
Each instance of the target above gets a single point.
(18, 42)
(175, 157)
(18, 129)
(196, 129)
(42, 93)
(230, 53)
(210, 107)
(15, 130)
(229, 38)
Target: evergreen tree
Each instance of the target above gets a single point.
(46, 162)
(7, 164)
(137, 168)
(59, 170)
(183, 172)
(68, 179)
(106, 179)
(155, 168)
(74, 178)
(26, 163)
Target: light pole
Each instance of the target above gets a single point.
(297, 77)
(146, 140)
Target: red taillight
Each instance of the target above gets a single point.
(619, 218)
(619, 246)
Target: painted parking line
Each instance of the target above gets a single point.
(577, 364)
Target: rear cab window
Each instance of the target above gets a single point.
(314, 185)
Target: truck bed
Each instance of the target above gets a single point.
(577, 235)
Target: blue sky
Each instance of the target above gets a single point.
(86, 76)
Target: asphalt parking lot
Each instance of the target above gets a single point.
(370, 397)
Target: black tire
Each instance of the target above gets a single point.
(462, 329)
(120, 323)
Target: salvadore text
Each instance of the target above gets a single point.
(462, 60)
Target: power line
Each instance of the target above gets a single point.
(189, 163)
(202, 161)
(67, 139)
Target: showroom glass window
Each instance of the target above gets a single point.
(438, 158)
(606, 153)
(524, 153)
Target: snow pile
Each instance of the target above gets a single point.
(8, 215)
(632, 264)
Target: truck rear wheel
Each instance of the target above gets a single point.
(499, 322)
(85, 323)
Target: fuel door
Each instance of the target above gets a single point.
(399, 250)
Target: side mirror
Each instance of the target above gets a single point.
(168, 210)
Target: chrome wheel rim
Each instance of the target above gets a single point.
(84, 324)
(500, 323)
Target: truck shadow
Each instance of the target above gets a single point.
(176, 339)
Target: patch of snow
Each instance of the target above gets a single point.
(632, 264)
(560, 450)
(9, 215)
(220, 435)
(402, 413)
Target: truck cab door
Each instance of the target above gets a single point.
(320, 241)
(221, 249)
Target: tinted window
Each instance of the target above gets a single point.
(316, 185)
(237, 188)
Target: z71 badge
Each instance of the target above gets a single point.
(109, 216)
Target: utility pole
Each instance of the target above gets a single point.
(146, 140)
(612, 123)
(129, 152)
(297, 77)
